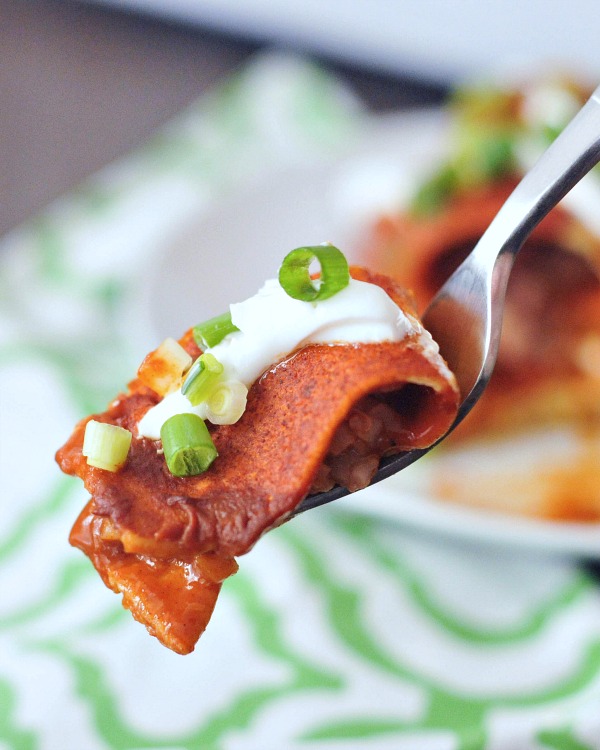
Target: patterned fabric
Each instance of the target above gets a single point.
(338, 632)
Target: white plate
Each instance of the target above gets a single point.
(240, 241)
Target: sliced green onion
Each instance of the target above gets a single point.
(434, 193)
(187, 445)
(294, 274)
(105, 446)
(484, 154)
(227, 402)
(213, 331)
(202, 378)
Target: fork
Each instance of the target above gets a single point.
(465, 316)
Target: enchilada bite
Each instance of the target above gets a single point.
(341, 381)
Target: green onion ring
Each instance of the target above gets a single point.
(105, 445)
(227, 402)
(294, 275)
(187, 445)
(202, 377)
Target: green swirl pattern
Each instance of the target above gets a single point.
(338, 632)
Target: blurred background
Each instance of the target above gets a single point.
(81, 83)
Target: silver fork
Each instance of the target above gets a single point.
(465, 316)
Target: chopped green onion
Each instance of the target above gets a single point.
(202, 378)
(294, 274)
(480, 157)
(187, 445)
(213, 331)
(434, 193)
(227, 402)
(484, 154)
(105, 446)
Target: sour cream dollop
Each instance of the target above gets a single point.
(272, 325)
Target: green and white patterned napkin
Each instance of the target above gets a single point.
(337, 632)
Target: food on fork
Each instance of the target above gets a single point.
(547, 375)
(304, 386)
